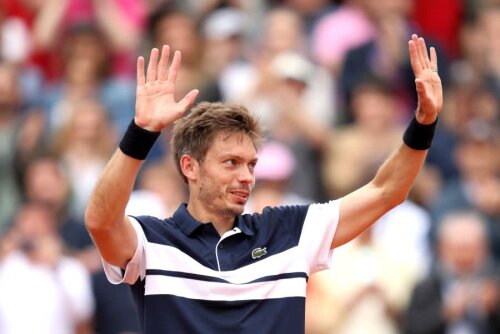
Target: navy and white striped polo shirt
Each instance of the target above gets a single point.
(187, 279)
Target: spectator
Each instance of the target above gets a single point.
(84, 144)
(461, 294)
(370, 286)
(14, 38)
(20, 137)
(86, 62)
(347, 27)
(47, 172)
(478, 184)
(120, 21)
(354, 152)
(383, 58)
(223, 32)
(311, 11)
(43, 291)
(170, 26)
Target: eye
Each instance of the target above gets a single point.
(251, 165)
(231, 162)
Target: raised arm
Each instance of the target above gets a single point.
(156, 109)
(391, 184)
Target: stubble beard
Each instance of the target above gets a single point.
(216, 200)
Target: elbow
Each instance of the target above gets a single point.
(95, 222)
(393, 197)
(91, 223)
(399, 198)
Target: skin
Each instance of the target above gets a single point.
(220, 185)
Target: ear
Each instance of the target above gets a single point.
(189, 167)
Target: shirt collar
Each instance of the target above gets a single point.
(243, 222)
(188, 224)
(185, 221)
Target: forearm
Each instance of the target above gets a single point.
(110, 197)
(390, 186)
(396, 176)
(47, 22)
(122, 36)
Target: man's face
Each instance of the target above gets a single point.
(463, 248)
(226, 175)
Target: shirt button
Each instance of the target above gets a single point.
(220, 246)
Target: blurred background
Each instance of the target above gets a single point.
(331, 82)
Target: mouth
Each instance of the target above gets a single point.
(241, 195)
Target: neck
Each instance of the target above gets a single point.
(222, 222)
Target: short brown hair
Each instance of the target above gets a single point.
(194, 133)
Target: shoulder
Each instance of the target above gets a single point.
(429, 285)
(280, 213)
(280, 218)
(154, 228)
(148, 222)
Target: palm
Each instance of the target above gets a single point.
(155, 106)
(427, 81)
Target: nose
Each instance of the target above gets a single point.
(247, 175)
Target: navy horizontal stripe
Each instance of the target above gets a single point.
(205, 278)
(172, 314)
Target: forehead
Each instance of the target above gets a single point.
(232, 143)
(463, 231)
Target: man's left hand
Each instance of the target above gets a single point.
(427, 81)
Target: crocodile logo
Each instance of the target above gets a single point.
(258, 252)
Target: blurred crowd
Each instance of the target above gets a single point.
(332, 83)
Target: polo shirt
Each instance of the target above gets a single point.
(186, 278)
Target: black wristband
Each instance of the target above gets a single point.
(419, 136)
(137, 142)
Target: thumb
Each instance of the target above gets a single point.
(189, 99)
(421, 89)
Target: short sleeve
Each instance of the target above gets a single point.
(317, 234)
(136, 267)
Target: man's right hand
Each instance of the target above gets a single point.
(155, 106)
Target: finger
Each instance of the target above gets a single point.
(189, 99)
(174, 68)
(434, 61)
(153, 61)
(425, 55)
(414, 60)
(420, 87)
(419, 52)
(140, 71)
(163, 64)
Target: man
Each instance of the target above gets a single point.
(461, 294)
(43, 290)
(210, 269)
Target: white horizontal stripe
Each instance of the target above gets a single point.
(194, 289)
(170, 258)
